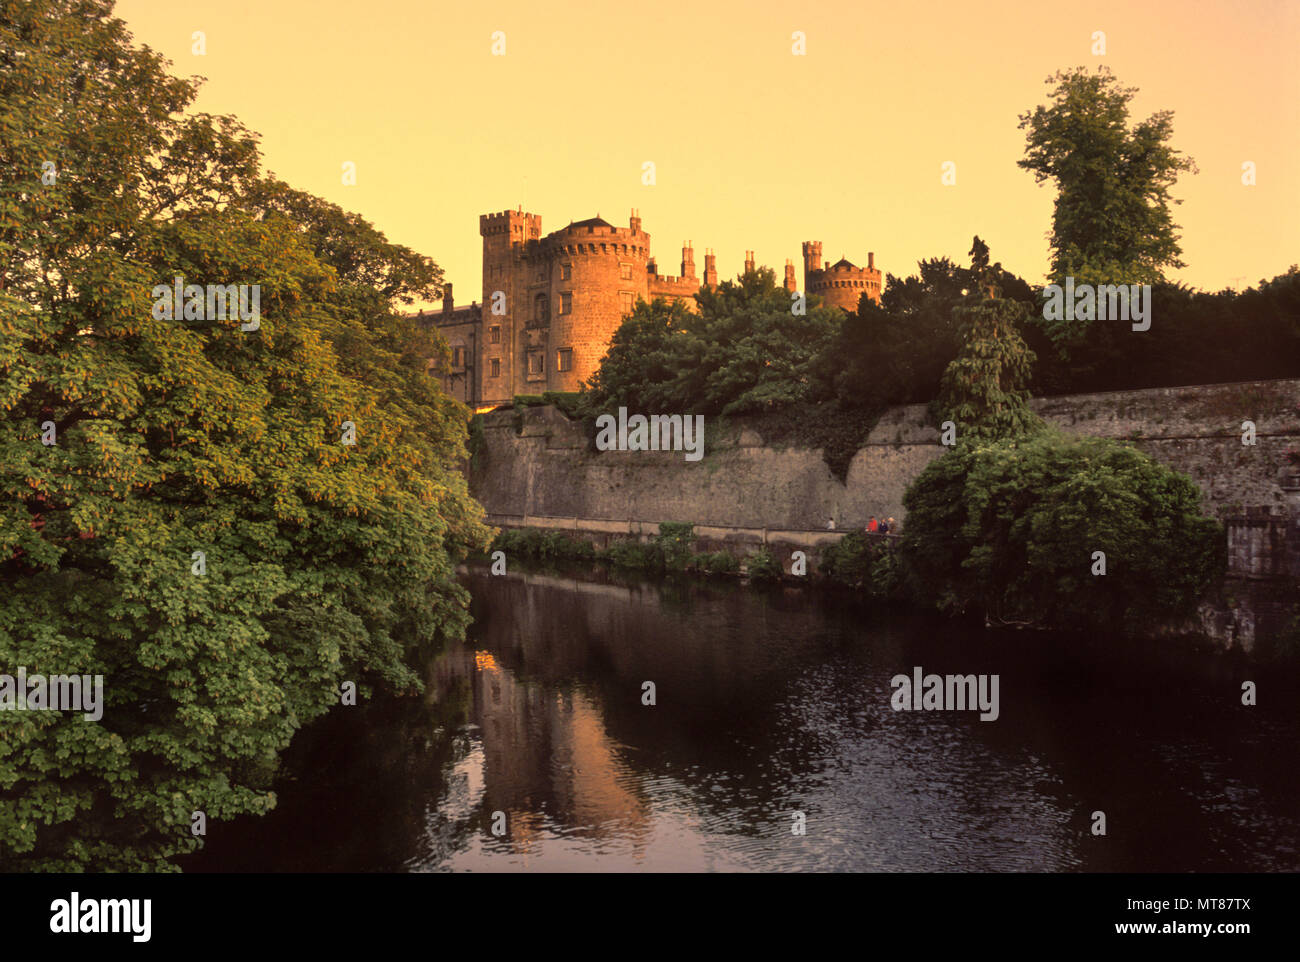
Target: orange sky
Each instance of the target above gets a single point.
(755, 148)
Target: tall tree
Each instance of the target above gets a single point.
(984, 390)
(321, 562)
(1112, 222)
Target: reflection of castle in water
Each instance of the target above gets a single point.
(546, 757)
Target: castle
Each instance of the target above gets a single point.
(553, 303)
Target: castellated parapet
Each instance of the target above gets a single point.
(552, 303)
(843, 284)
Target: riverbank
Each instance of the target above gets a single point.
(1254, 614)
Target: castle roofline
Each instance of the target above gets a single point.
(596, 221)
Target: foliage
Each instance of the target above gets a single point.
(761, 565)
(716, 563)
(325, 562)
(745, 351)
(1112, 222)
(675, 540)
(635, 555)
(866, 564)
(1195, 338)
(983, 390)
(542, 545)
(1008, 529)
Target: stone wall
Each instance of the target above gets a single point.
(538, 463)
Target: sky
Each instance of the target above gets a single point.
(754, 147)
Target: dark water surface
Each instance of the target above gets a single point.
(770, 704)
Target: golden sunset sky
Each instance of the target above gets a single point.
(754, 147)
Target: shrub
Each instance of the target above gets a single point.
(542, 545)
(849, 561)
(761, 565)
(675, 540)
(1008, 529)
(635, 555)
(717, 563)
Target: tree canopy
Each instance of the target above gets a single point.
(321, 562)
(1112, 222)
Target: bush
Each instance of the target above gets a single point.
(857, 561)
(542, 545)
(675, 540)
(716, 563)
(1008, 529)
(761, 565)
(849, 561)
(636, 555)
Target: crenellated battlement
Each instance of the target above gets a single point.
(519, 225)
(551, 303)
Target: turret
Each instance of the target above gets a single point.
(812, 261)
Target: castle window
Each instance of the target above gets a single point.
(626, 301)
(541, 309)
(457, 357)
(494, 334)
(496, 367)
(566, 303)
(564, 359)
(566, 272)
(625, 271)
(535, 363)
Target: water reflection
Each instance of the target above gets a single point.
(767, 705)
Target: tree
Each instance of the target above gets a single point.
(745, 351)
(321, 562)
(1011, 530)
(1112, 222)
(649, 362)
(984, 388)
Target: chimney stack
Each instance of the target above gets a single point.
(448, 302)
(871, 260)
(710, 269)
(749, 262)
(791, 284)
(635, 221)
(688, 260)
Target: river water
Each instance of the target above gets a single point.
(768, 705)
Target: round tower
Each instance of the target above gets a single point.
(596, 273)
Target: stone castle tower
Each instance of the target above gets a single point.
(842, 284)
(552, 303)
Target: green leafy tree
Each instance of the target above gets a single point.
(1010, 530)
(744, 351)
(650, 362)
(984, 388)
(1113, 221)
(323, 562)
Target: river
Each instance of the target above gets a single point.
(772, 712)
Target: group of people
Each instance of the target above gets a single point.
(883, 526)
